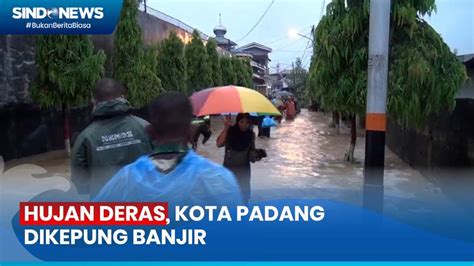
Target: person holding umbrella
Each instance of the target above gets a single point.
(239, 143)
(238, 139)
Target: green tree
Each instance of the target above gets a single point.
(229, 76)
(171, 66)
(424, 74)
(298, 77)
(213, 59)
(247, 72)
(238, 69)
(133, 64)
(197, 67)
(67, 71)
(241, 68)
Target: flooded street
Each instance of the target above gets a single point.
(306, 154)
(305, 160)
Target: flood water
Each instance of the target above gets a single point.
(306, 154)
(305, 160)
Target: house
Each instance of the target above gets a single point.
(260, 59)
(280, 81)
(467, 90)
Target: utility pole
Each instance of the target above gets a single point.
(306, 37)
(294, 76)
(379, 29)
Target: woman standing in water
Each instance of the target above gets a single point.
(239, 142)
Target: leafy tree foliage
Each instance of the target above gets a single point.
(198, 71)
(229, 76)
(247, 72)
(171, 65)
(424, 74)
(213, 59)
(241, 67)
(67, 71)
(132, 63)
(298, 77)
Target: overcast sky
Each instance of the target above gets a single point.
(454, 20)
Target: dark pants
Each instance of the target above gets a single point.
(242, 174)
(266, 132)
(257, 120)
(202, 130)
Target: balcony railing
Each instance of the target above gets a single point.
(257, 65)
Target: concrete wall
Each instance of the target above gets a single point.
(447, 141)
(17, 68)
(28, 130)
(448, 138)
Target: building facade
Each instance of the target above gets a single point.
(259, 62)
(280, 81)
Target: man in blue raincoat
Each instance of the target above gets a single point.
(172, 173)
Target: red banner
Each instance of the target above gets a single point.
(95, 213)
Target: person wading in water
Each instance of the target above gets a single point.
(239, 142)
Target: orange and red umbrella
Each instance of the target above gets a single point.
(231, 99)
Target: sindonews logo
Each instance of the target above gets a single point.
(58, 13)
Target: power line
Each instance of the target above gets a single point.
(308, 42)
(288, 51)
(281, 64)
(288, 45)
(305, 49)
(307, 62)
(276, 40)
(285, 37)
(307, 45)
(260, 19)
(322, 10)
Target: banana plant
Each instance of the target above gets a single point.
(67, 68)
(424, 75)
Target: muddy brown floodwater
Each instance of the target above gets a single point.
(305, 160)
(307, 154)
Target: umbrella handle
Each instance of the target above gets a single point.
(228, 120)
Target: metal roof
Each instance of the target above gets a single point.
(255, 45)
(224, 40)
(467, 90)
(466, 57)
